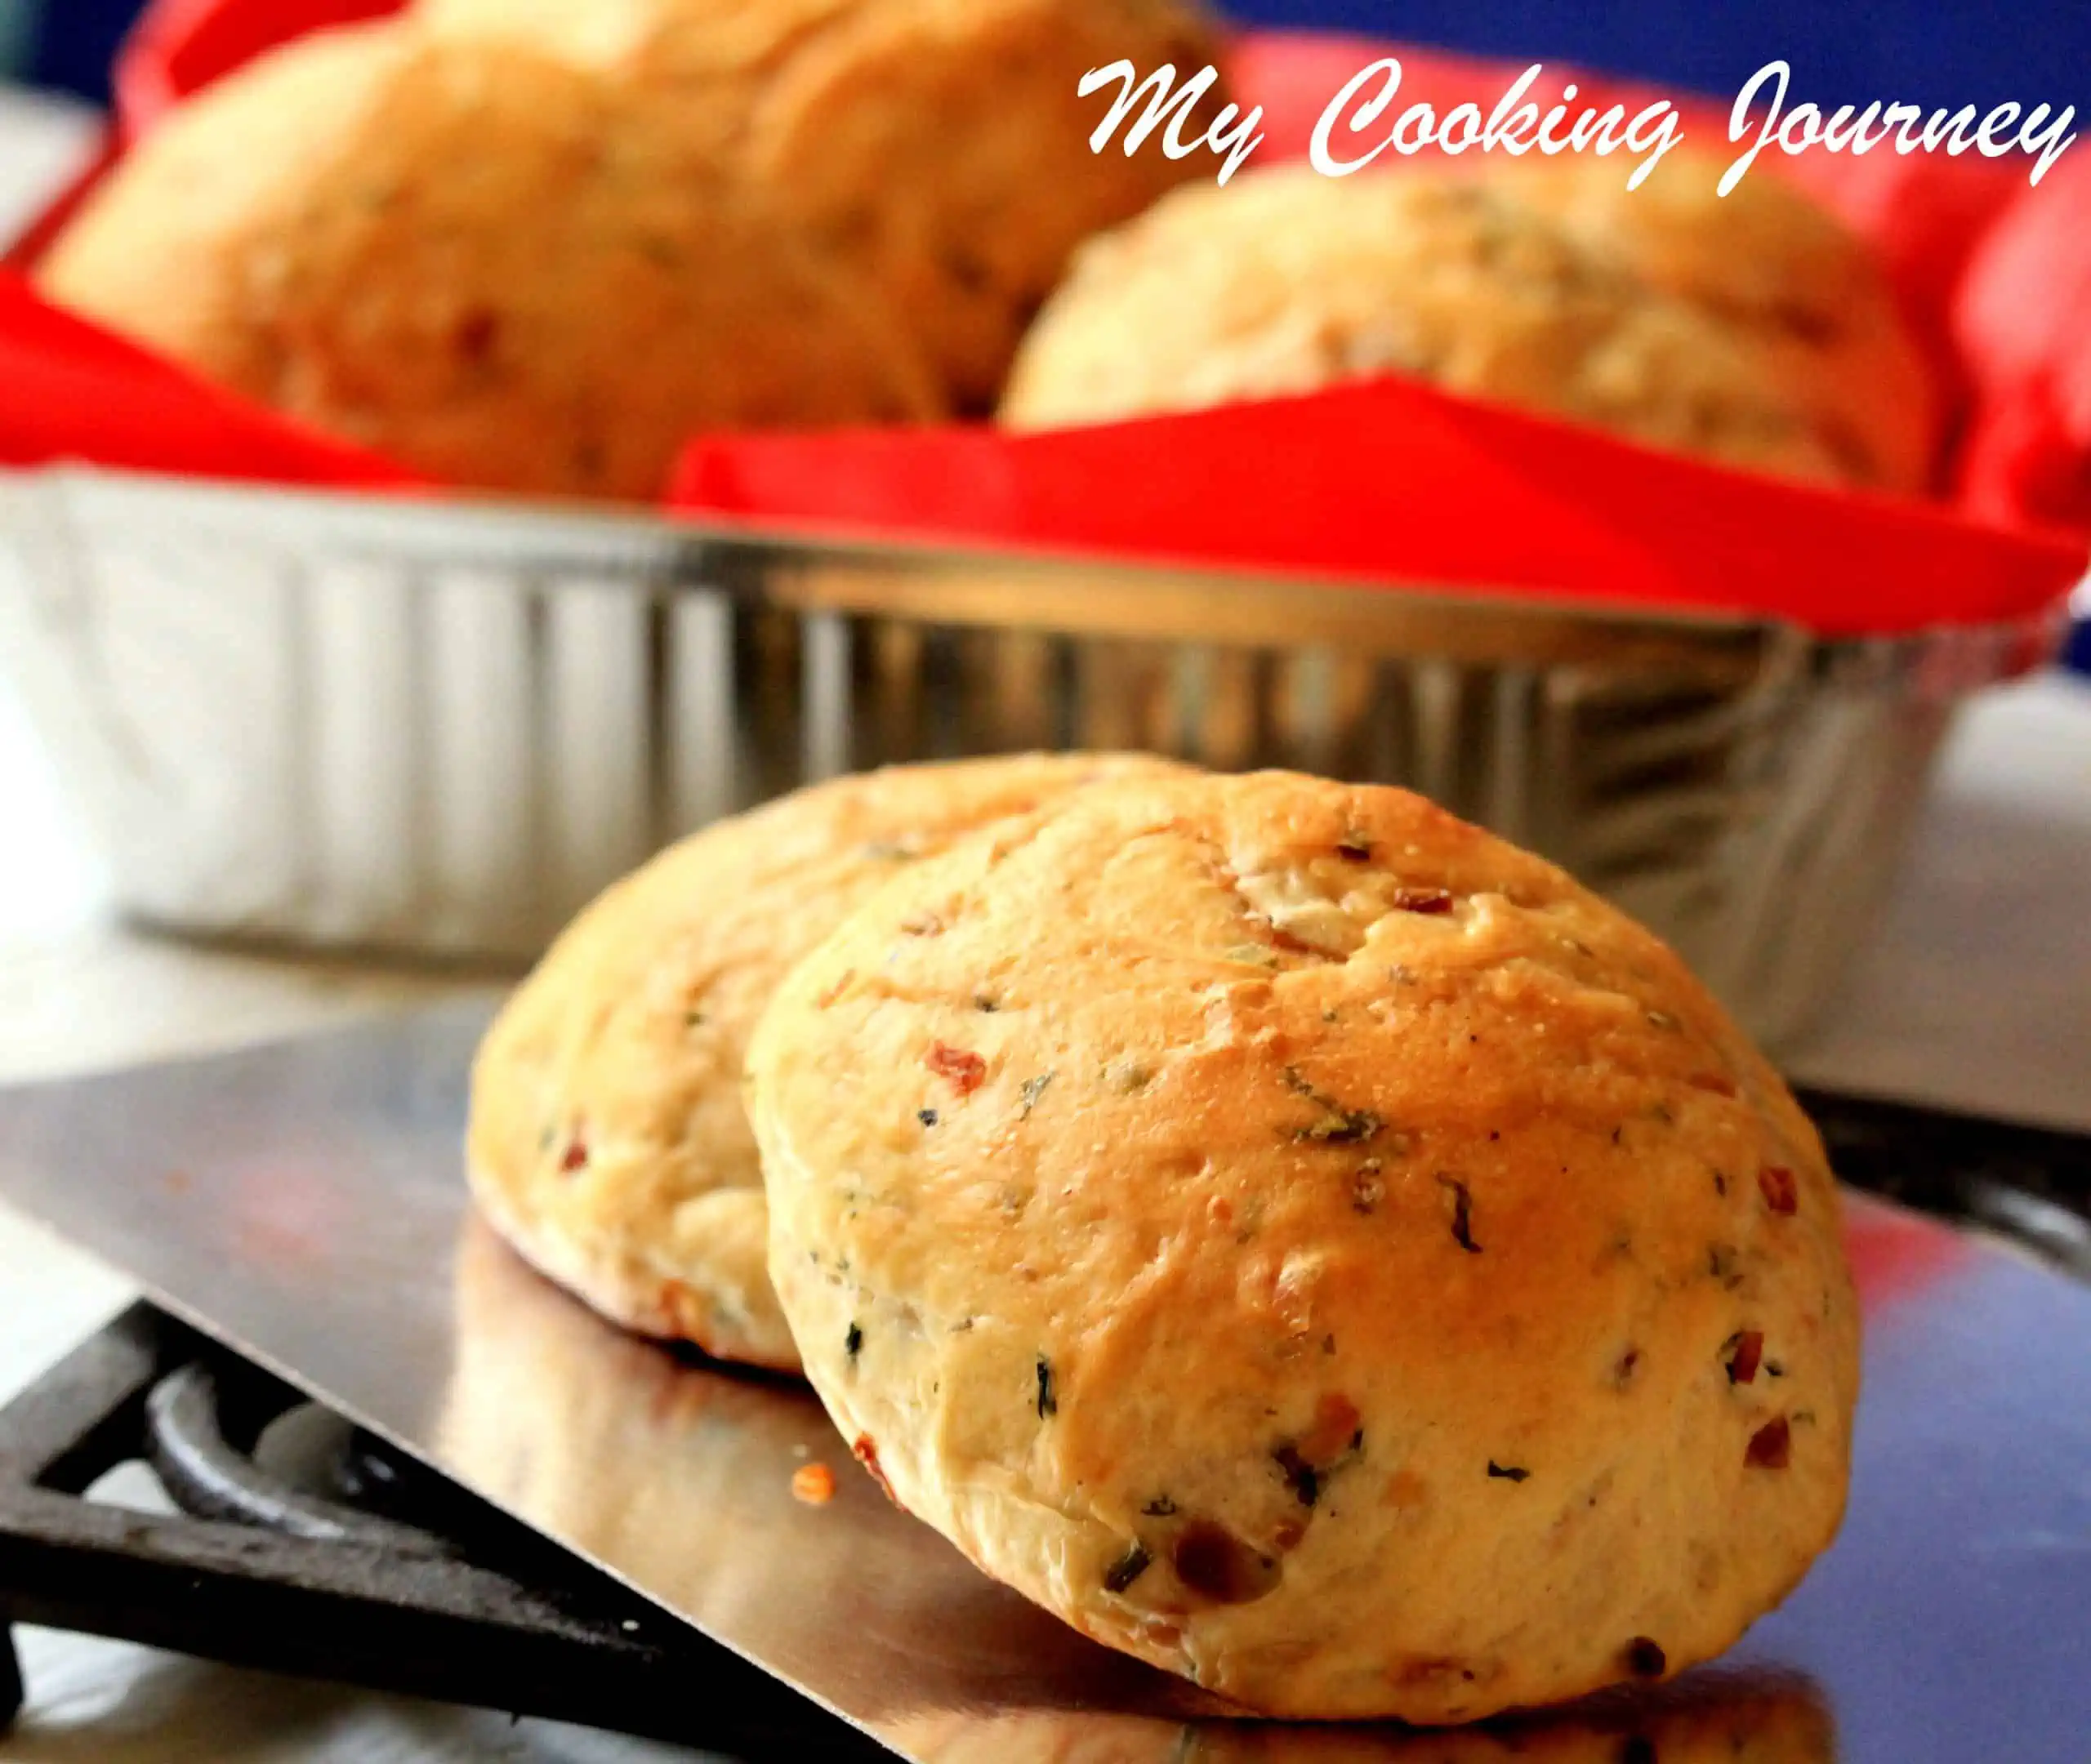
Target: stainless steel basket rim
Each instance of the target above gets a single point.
(550, 536)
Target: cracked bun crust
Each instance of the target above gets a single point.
(1284, 280)
(608, 1143)
(484, 262)
(1301, 1241)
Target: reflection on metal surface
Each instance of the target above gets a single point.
(612, 1445)
(678, 1475)
(441, 727)
(1711, 1718)
(305, 1203)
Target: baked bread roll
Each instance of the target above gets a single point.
(938, 147)
(1772, 264)
(607, 1139)
(481, 261)
(1351, 1266)
(1285, 281)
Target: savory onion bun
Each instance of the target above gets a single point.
(608, 1140)
(1307, 1243)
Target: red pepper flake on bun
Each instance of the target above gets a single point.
(1782, 1194)
(1749, 1355)
(967, 1071)
(1336, 1423)
(1771, 1446)
(866, 1451)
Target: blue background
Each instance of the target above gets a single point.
(1929, 51)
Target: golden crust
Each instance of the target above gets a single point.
(608, 1140)
(488, 263)
(1285, 281)
(152, 254)
(1770, 262)
(938, 147)
(1330, 1271)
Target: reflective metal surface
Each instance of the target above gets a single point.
(305, 1203)
(440, 727)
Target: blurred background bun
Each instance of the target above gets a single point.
(938, 147)
(1285, 281)
(491, 264)
(1772, 263)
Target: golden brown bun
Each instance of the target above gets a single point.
(939, 146)
(608, 1138)
(1285, 281)
(1352, 1265)
(1770, 262)
(479, 260)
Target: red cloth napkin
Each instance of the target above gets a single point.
(2025, 331)
(1394, 481)
(1895, 1255)
(71, 391)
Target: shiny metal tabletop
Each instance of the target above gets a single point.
(305, 1203)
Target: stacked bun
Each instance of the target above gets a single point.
(1292, 1236)
(609, 1144)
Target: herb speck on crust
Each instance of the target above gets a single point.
(1462, 1212)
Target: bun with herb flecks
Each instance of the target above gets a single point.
(499, 268)
(938, 149)
(1304, 1241)
(1775, 266)
(1284, 281)
(607, 1139)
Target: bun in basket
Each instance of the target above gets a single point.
(479, 260)
(1350, 1265)
(940, 148)
(608, 1141)
(1776, 265)
(1285, 281)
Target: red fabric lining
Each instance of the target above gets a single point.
(71, 391)
(1394, 482)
